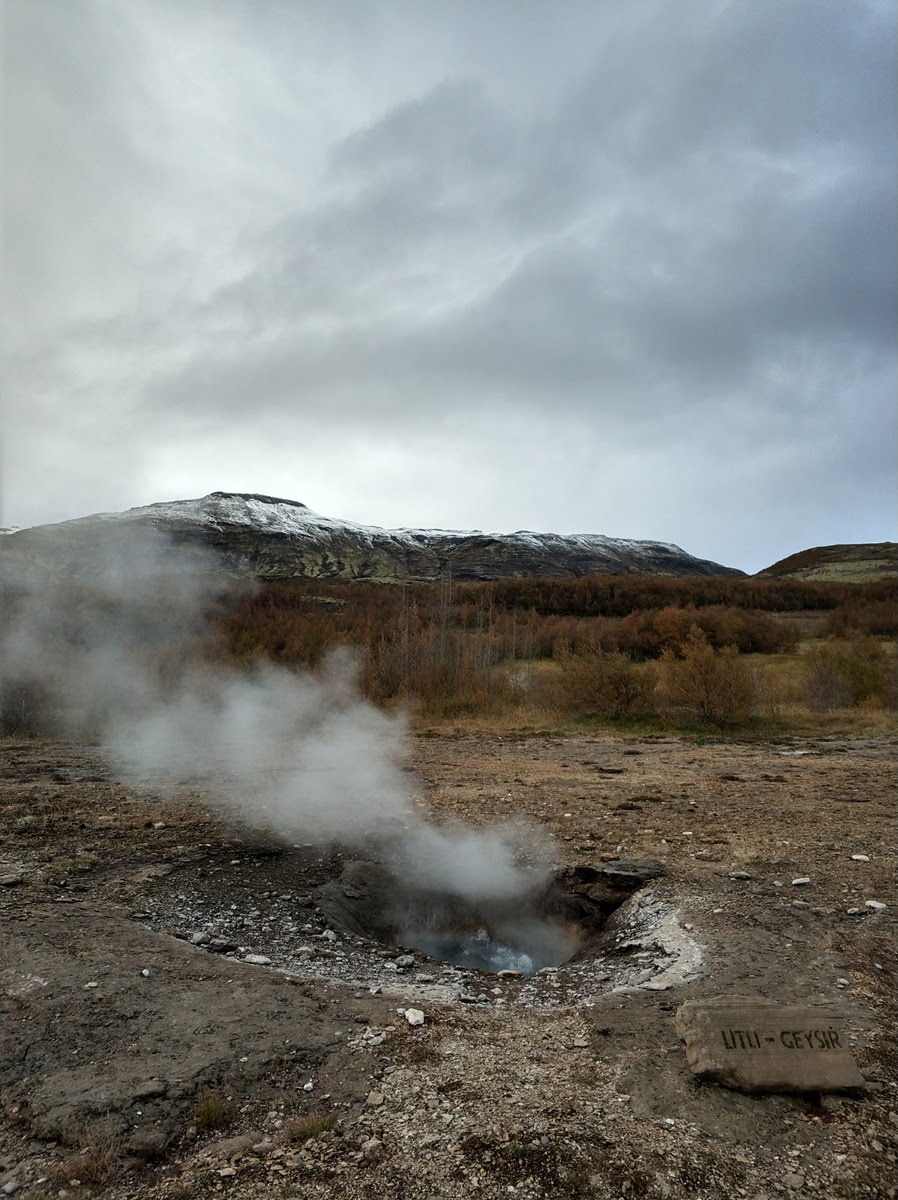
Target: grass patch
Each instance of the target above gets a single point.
(301, 1129)
(212, 1111)
(98, 1161)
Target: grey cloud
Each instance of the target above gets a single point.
(653, 228)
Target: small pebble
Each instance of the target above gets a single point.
(257, 960)
(93, 983)
(414, 1016)
(307, 1087)
(145, 972)
(860, 858)
(876, 905)
(802, 879)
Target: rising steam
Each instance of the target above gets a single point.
(302, 755)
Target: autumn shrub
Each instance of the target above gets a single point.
(876, 617)
(604, 685)
(702, 683)
(848, 672)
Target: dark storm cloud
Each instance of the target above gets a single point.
(661, 232)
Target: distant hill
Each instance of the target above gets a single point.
(859, 562)
(249, 535)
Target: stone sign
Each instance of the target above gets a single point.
(760, 1046)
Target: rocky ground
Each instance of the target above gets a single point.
(143, 1053)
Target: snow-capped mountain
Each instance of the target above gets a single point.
(269, 538)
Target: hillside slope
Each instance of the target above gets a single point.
(860, 562)
(251, 535)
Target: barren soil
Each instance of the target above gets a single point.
(573, 1084)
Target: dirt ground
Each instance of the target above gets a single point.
(122, 1041)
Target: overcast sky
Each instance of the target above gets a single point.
(623, 268)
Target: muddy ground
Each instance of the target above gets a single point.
(121, 1041)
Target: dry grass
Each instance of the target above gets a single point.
(98, 1161)
(212, 1111)
(301, 1129)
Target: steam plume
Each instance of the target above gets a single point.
(302, 755)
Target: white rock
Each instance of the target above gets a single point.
(802, 879)
(145, 972)
(329, 935)
(414, 1016)
(876, 905)
(860, 858)
(307, 1087)
(93, 984)
(257, 960)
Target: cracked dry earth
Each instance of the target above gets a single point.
(572, 1084)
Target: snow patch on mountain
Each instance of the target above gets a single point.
(291, 518)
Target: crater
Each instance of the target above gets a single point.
(334, 917)
(551, 924)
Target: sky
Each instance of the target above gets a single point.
(567, 266)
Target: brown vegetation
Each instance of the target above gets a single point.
(212, 1111)
(570, 647)
(97, 1162)
(712, 686)
(300, 1129)
(848, 672)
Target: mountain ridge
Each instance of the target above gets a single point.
(268, 537)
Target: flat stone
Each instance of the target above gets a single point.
(257, 960)
(756, 1045)
(150, 1089)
